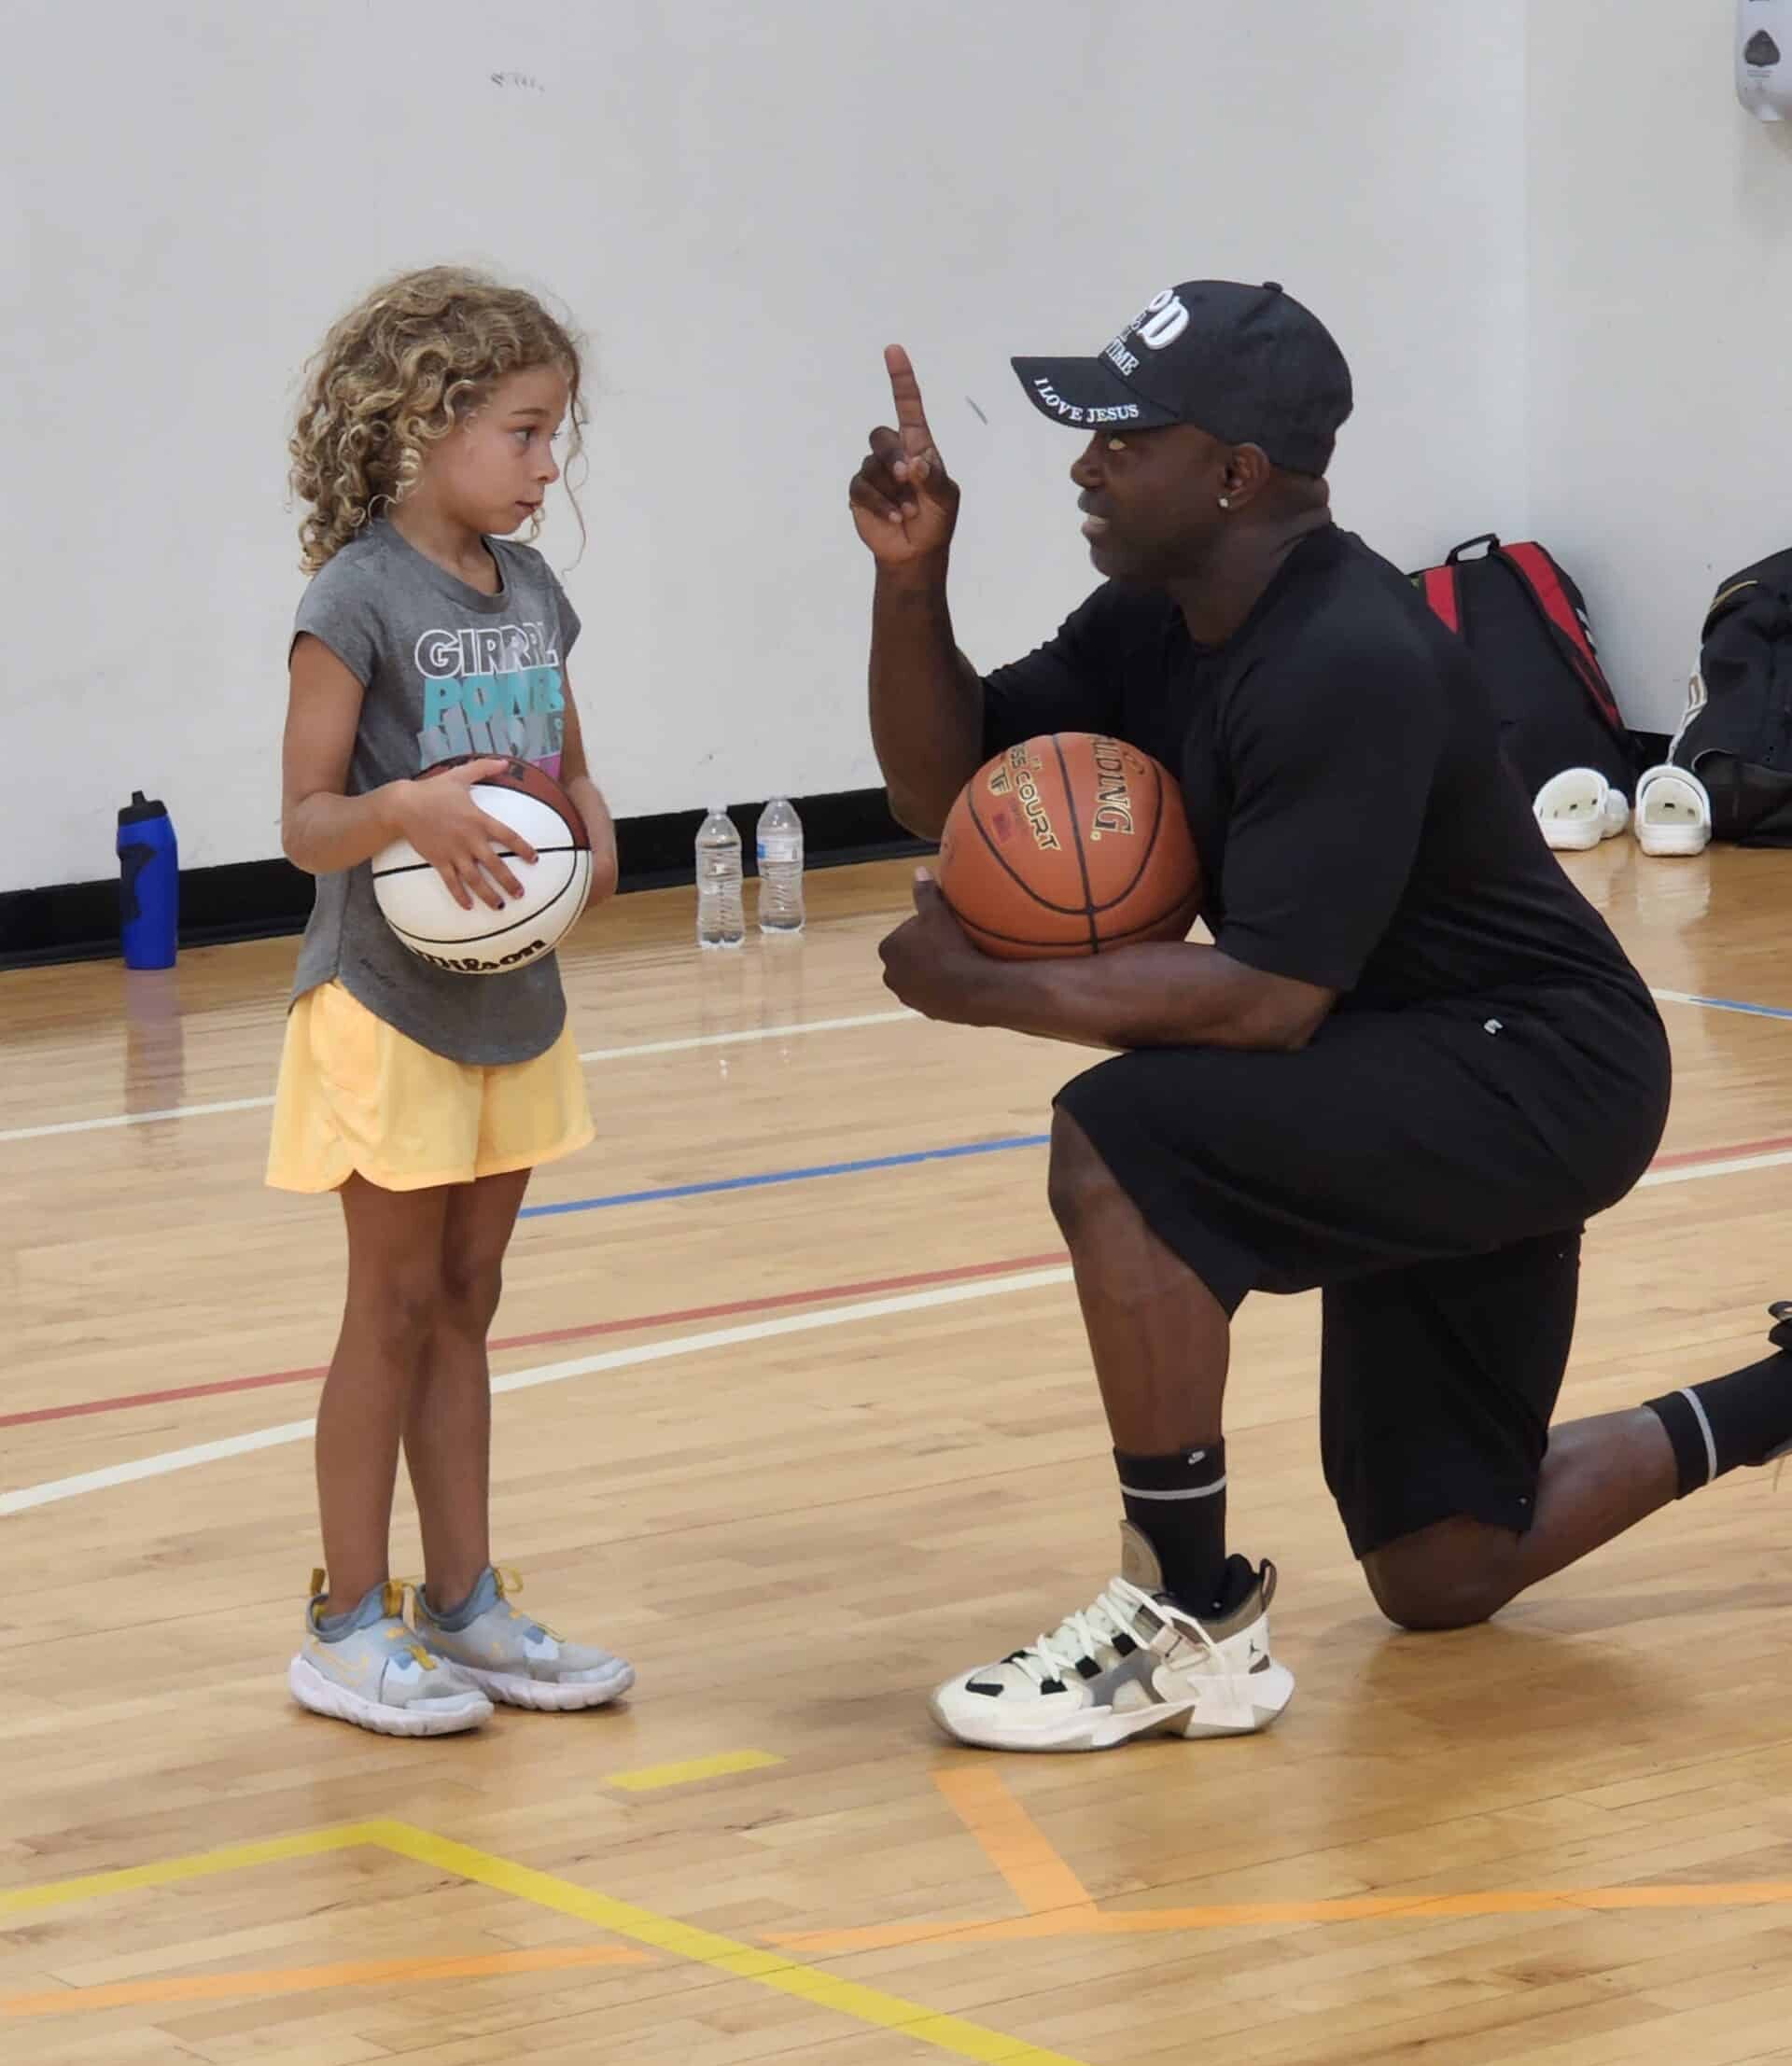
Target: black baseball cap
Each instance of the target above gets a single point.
(1248, 364)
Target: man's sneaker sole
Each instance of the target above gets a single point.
(1211, 1712)
(322, 1695)
(544, 1695)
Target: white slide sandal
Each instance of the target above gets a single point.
(1672, 811)
(1578, 808)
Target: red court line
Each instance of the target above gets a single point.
(732, 1310)
(820, 1294)
(1720, 1154)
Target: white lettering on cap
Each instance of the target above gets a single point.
(1054, 401)
(1070, 414)
(1163, 322)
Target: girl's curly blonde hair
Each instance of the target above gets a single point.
(395, 376)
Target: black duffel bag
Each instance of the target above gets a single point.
(1737, 734)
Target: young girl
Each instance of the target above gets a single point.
(423, 1098)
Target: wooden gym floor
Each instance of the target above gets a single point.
(800, 1447)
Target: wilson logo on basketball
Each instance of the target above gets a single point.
(1112, 801)
(470, 965)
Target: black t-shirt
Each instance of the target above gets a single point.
(1357, 825)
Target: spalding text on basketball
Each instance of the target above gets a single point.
(1113, 803)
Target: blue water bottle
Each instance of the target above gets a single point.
(149, 884)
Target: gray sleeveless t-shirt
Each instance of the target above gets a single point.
(446, 671)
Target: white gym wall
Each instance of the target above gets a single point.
(1660, 324)
(741, 206)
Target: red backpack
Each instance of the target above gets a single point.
(1526, 624)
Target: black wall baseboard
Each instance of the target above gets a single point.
(261, 900)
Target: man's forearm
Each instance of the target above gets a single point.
(926, 702)
(1173, 993)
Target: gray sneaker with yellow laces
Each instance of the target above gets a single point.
(513, 1659)
(366, 1667)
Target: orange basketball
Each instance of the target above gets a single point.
(1069, 844)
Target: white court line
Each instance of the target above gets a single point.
(544, 1374)
(683, 1345)
(136, 1119)
(755, 1033)
(1733, 1167)
(595, 1054)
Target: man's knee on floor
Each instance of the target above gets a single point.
(1077, 1181)
(1449, 1576)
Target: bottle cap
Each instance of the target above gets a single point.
(137, 810)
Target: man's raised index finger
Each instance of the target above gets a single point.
(907, 392)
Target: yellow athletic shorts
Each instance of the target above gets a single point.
(355, 1095)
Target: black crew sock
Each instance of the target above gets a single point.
(1746, 1418)
(1177, 1502)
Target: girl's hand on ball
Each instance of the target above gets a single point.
(458, 839)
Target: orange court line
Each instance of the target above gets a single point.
(225, 1986)
(913, 2021)
(1011, 1840)
(1058, 1905)
(1241, 1914)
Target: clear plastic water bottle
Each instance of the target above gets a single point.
(780, 868)
(721, 920)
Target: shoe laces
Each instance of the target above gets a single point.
(509, 1583)
(1083, 1634)
(396, 1595)
(1112, 1613)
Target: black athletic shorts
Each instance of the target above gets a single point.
(1430, 1170)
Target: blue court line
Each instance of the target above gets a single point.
(1725, 1004)
(961, 1150)
(953, 1154)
